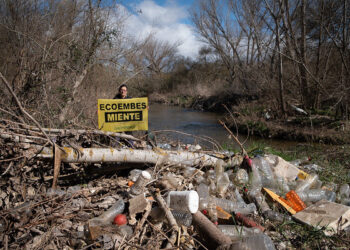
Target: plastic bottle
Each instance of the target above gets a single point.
(234, 231)
(222, 184)
(307, 183)
(140, 183)
(282, 186)
(186, 201)
(238, 196)
(231, 206)
(267, 176)
(241, 177)
(301, 161)
(314, 195)
(203, 193)
(256, 241)
(276, 216)
(211, 208)
(222, 179)
(259, 200)
(255, 179)
(108, 216)
(344, 191)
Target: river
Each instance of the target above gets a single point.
(200, 124)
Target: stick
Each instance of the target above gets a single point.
(57, 166)
(244, 152)
(212, 235)
(169, 216)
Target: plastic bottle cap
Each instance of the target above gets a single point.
(146, 175)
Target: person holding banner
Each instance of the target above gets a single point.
(123, 94)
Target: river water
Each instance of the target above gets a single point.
(163, 118)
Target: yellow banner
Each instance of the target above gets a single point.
(118, 115)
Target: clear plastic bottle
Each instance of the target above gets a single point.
(234, 231)
(267, 176)
(108, 216)
(256, 241)
(344, 191)
(211, 208)
(140, 183)
(203, 193)
(307, 183)
(241, 177)
(259, 200)
(222, 184)
(276, 216)
(231, 206)
(314, 195)
(255, 179)
(239, 197)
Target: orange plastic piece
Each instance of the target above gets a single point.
(294, 198)
(130, 183)
(222, 214)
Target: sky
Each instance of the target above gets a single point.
(168, 20)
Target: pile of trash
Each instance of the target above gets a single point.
(222, 200)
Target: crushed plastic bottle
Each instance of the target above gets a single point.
(276, 216)
(256, 241)
(140, 183)
(108, 216)
(235, 232)
(267, 176)
(241, 177)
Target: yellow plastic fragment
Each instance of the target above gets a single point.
(278, 199)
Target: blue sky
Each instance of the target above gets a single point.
(167, 20)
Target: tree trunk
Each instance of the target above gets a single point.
(95, 155)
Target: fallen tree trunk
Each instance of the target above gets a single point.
(95, 155)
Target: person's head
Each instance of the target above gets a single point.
(123, 91)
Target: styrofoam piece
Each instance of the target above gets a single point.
(187, 201)
(326, 214)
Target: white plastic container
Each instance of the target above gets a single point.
(186, 201)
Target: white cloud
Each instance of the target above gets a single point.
(166, 23)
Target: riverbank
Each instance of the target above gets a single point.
(254, 116)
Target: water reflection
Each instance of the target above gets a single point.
(204, 124)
